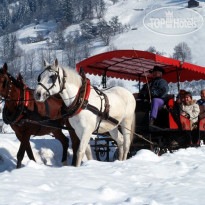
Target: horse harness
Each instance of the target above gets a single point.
(81, 103)
(53, 78)
(22, 101)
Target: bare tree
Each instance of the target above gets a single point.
(182, 52)
(152, 49)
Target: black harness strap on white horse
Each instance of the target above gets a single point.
(103, 115)
(54, 78)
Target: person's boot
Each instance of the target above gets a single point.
(151, 121)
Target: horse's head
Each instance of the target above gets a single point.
(4, 79)
(50, 81)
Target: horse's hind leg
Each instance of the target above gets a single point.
(118, 137)
(88, 152)
(127, 132)
(30, 152)
(65, 142)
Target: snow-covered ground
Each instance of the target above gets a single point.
(146, 178)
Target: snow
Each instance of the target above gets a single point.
(132, 13)
(138, 37)
(146, 178)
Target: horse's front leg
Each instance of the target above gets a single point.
(75, 145)
(20, 155)
(24, 146)
(65, 143)
(83, 146)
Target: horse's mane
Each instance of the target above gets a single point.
(72, 76)
(17, 83)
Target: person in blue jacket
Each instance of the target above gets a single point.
(158, 90)
(202, 100)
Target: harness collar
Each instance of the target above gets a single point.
(80, 100)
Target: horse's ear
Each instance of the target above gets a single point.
(5, 68)
(45, 63)
(20, 78)
(56, 62)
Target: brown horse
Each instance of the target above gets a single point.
(21, 106)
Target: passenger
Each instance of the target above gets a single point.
(158, 90)
(189, 108)
(180, 96)
(202, 100)
(201, 103)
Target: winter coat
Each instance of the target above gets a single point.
(192, 109)
(158, 89)
(201, 102)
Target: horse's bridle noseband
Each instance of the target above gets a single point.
(54, 78)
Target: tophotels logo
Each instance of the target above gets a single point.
(173, 21)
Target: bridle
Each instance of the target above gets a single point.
(53, 78)
(6, 84)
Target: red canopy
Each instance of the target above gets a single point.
(135, 65)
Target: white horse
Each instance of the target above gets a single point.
(55, 79)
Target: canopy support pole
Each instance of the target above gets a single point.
(139, 84)
(104, 79)
(178, 75)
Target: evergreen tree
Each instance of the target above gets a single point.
(87, 29)
(67, 11)
(87, 9)
(4, 17)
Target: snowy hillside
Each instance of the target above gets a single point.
(37, 41)
(138, 37)
(132, 12)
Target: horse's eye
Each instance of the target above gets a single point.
(53, 78)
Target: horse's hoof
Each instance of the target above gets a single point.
(65, 163)
(18, 166)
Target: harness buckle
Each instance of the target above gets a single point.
(85, 104)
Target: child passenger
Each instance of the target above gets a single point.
(190, 108)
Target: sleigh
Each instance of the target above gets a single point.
(171, 130)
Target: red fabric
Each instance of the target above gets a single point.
(26, 97)
(202, 124)
(185, 122)
(135, 65)
(26, 100)
(172, 123)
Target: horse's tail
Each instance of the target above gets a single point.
(132, 129)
